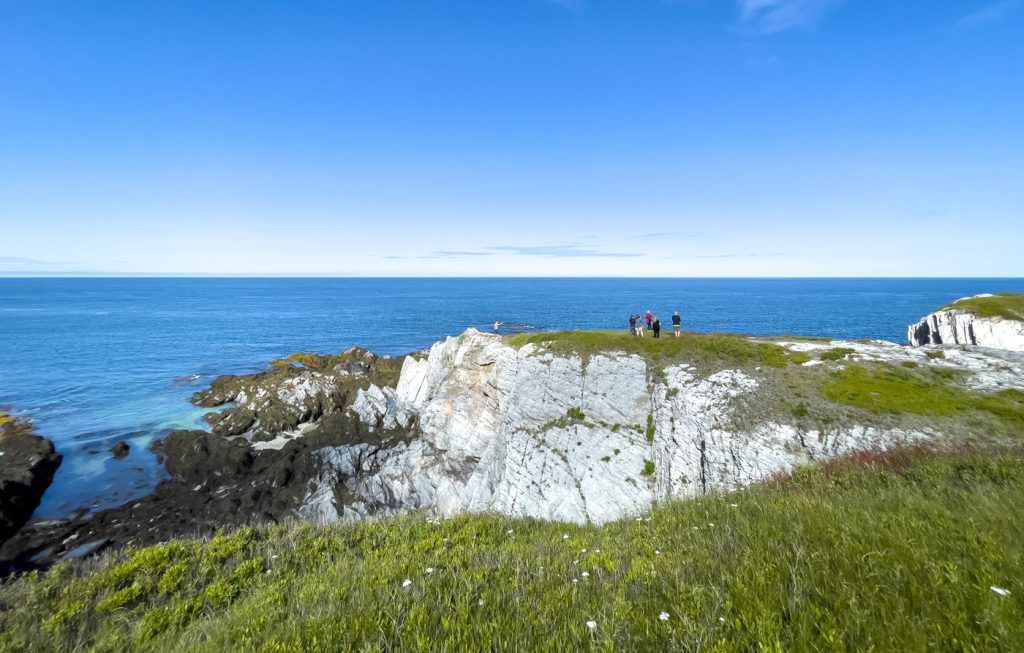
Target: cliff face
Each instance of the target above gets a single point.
(529, 433)
(957, 326)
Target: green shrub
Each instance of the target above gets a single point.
(648, 468)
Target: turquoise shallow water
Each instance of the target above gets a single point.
(95, 361)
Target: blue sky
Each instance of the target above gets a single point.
(514, 137)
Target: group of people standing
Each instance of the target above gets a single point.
(653, 322)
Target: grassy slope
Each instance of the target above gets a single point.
(894, 552)
(1008, 306)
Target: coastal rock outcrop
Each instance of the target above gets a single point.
(550, 426)
(300, 389)
(962, 324)
(27, 465)
(589, 438)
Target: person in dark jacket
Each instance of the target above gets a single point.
(656, 327)
(675, 324)
(632, 323)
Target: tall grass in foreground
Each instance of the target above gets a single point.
(891, 552)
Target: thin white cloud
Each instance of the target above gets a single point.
(20, 263)
(550, 251)
(560, 251)
(571, 5)
(773, 16)
(987, 14)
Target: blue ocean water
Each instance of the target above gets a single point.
(95, 361)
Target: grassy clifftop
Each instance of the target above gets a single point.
(717, 349)
(1007, 306)
(904, 551)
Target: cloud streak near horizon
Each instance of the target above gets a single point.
(550, 251)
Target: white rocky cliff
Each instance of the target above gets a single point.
(529, 433)
(960, 326)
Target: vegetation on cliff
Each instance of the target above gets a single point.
(908, 550)
(711, 350)
(1009, 306)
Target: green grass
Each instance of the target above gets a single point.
(890, 389)
(1008, 306)
(713, 350)
(836, 353)
(891, 552)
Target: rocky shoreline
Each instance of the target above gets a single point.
(218, 479)
(27, 465)
(540, 428)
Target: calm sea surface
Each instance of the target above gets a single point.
(95, 361)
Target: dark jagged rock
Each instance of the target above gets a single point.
(300, 389)
(27, 465)
(120, 450)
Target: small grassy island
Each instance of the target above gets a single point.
(915, 547)
(1009, 306)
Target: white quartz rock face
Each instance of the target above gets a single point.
(960, 327)
(495, 434)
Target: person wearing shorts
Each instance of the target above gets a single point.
(676, 324)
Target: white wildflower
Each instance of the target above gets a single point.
(406, 583)
(597, 550)
(663, 616)
(734, 505)
(657, 552)
(592, 625)
(565, 536)
(480, 602)
(583, 550)
(1000, 591)
(509, 531)
(575, 580)
(430, 570)
(585, 574)
(722, 619)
